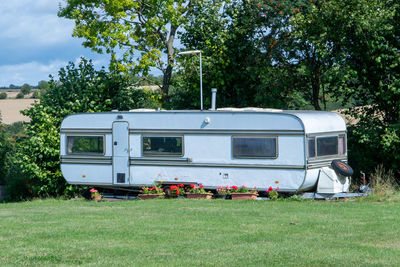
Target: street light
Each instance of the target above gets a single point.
(201, 73)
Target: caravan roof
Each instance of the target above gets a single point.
(225, 118)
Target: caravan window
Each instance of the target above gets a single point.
(162, 145)
(93, 145)
(326, 146)
(254, 147)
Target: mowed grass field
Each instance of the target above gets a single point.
(182, 232)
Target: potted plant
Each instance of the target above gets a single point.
(223, 192)
(95, 195)
(243, 193)
(198, 192)
(272, 193)
(151, 192)
(176, 190)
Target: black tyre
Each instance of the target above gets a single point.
(342, 168)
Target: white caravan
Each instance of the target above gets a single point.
(292, 150)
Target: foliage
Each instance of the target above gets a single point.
(20, 95)
(26, 89)
(141, 32)
(79, 89)
(222, 190)
(197, 189)
(242, 189)
(3, 95)
(94, 193)
(152, 190)
(43, 85)
(36, 95)
(176, 190)
(273, 193)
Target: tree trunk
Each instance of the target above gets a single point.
(315, 84)
(168, 71)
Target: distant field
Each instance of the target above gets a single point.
(185, 232)
(10, 109)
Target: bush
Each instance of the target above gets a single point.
(20, 95)
(36, 95)
(79, 89)
(3, 95)
(26, 89)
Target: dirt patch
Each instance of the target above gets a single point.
(10, 109)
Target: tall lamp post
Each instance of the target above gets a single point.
(201, 73)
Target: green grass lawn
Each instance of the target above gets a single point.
(181, 232)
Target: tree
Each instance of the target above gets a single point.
(26, 89)
(129, 29)
(3, 95)
(43, 85)
(79, 89)
(239, 40)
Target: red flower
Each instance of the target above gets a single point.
(235, 187)
(173, 187)
(269, 189)
(177, 192)
(201, 186)
(192, 185)
(180, 185)
(277, 189)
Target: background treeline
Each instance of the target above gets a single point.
(320, 55)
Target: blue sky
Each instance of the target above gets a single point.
(35, 42)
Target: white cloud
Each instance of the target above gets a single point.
(30, 73)
(33, 72)
(33, 23)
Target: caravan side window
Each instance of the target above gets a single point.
(320, 146)
(87, 145)
(162, 145)
(254, 147)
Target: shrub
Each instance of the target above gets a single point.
(20, 95)
(3, 95)
(383, 182)
(79, 89)
(26, 89)
(36, 95)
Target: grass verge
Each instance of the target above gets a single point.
(182, 232)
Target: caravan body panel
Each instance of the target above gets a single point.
(206, 147)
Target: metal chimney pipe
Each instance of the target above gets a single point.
(213, 98)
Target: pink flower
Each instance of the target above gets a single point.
(93, 190)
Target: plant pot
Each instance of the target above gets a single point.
(150, 196)
(236, 196)
(97, 198)
(199, 196)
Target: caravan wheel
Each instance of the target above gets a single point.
(342, 168)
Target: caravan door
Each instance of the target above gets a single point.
(120, 139)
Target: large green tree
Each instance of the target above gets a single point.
(138, 34)
(228, 33)
(79, 89)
